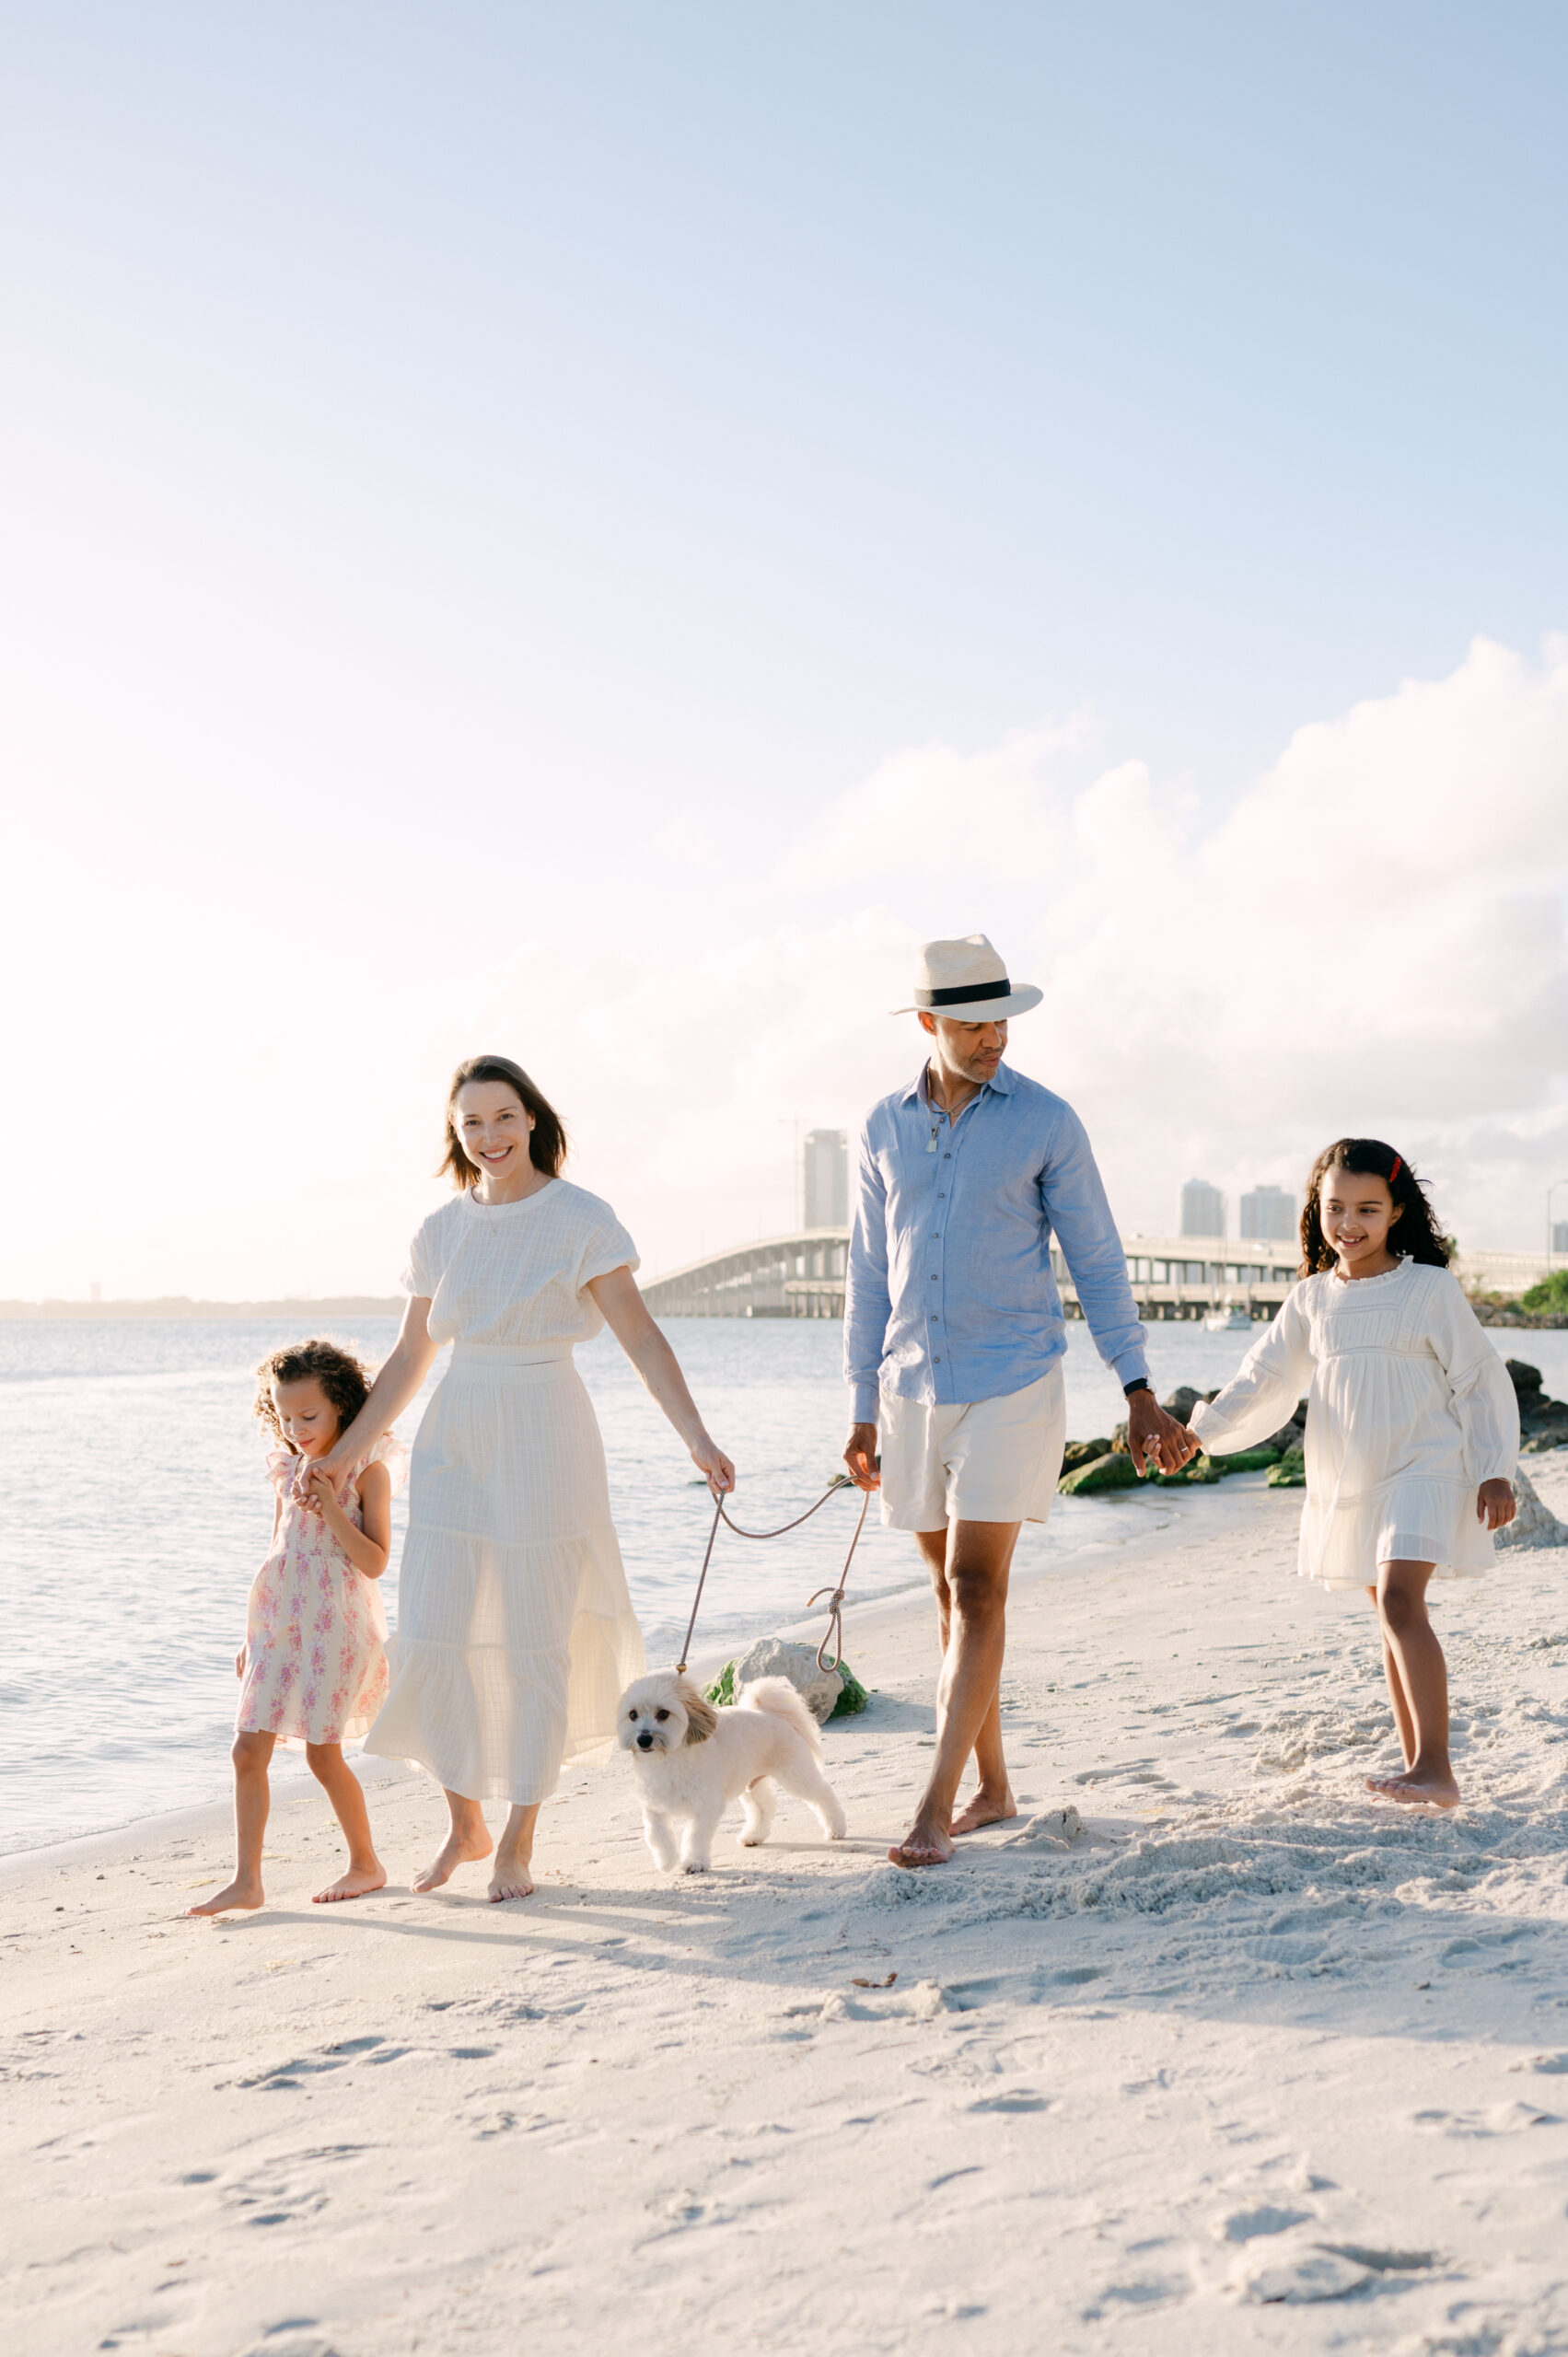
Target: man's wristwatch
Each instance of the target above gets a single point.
(1139, 1382)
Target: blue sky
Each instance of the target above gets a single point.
(488, 483)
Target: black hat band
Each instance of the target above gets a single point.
(971, 993)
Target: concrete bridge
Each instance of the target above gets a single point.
(803, 1276)
(782, 1276)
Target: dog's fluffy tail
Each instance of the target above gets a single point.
(777, 1695)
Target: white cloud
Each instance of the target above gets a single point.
(930, 807)
(264, 1014)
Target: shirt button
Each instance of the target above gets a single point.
(947, 1158)
(937, 1359)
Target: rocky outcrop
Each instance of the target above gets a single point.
(1082, 1452)
(1290, 1473)
(1543, 1422)
(1535, 1525)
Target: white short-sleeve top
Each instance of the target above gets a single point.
(517, 1273)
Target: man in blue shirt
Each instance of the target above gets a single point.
(954, 1341)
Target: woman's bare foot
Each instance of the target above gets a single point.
(986, 1808)
(457, 1850)
(922, 1845)
(234, 1894)
(512, 1878)
(1435, 1786)
(357, 1882)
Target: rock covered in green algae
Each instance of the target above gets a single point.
(1115, 1470)
(851, 1698)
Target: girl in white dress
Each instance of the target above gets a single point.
(1412, 1428)
(516, 1635)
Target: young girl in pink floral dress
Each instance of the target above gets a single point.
(314, 1661)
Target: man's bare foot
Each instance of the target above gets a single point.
(986, 1808)
(512, 1879)
(457, 1850)
(1435, 1787)
(234, 1894)
(922, 1845)
(357, 1882)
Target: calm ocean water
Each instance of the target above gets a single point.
(135, 1513)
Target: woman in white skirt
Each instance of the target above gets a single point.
(516, 1635)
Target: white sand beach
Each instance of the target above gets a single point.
(1254, 2063)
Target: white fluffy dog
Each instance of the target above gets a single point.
(692, 1761)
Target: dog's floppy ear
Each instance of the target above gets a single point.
(701, 1716)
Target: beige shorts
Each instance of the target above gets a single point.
(995, 1460)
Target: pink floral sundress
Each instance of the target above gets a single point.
(316, 1629)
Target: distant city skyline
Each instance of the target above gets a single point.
(1266, 1213)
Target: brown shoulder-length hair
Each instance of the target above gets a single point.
(345, 1382)
(547, 1139)
(1414, 1231)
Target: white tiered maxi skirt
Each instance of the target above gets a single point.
(516, 1635)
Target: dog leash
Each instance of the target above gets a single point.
(835, 1608)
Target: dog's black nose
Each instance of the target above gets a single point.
(644, 1741)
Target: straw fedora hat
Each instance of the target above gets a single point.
(967, 981)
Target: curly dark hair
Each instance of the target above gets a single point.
(1413, 1232)
(345, 1382)
(547, 1139)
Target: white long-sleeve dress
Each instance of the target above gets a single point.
(516, 1635)
(1411, 1409)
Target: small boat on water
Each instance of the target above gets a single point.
(1228, 1317)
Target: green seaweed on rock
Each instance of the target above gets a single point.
(853, 1696)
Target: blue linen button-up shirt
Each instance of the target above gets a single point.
(949, 1295)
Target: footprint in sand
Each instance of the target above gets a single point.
(1501, 2120)
(1305, 2276)
(1246, 2225)
(1141, 2292)
(1322, 2272)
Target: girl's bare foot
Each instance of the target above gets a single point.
(512, 1878)
(234, 1894)
(457, 1850)
(1435, 1786)
(986, 1808)
(357, 1882)
(922, 1845)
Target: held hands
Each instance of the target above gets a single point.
(1157, 1442)
(714, 1465)
(1495, 1505)
(318, 1488)
(309, 1473)
(860, 1456)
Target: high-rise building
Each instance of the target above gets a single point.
(1559, 1236)
(827, 1179)
(1268, 1215)
(1202, 1209)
